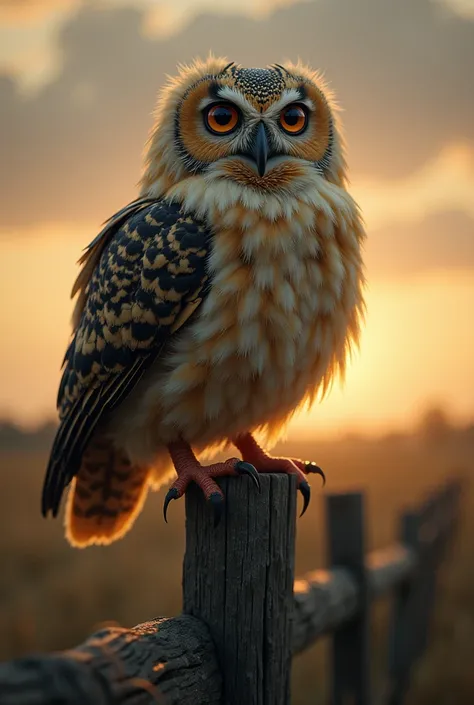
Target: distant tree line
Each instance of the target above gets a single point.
(434, 426)
(15, 437)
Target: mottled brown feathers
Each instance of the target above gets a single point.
(105, 497)
(91, 256)
(150, 273)
(283, 311)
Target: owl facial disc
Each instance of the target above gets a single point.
(263, 128)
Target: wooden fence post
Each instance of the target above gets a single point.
(238, 578)
(437, 519)
(350, 643)
(431, 550)
(405, 619)
(427, 533)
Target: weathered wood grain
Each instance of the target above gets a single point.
(168, 661)
(238, 579)
(176, 656)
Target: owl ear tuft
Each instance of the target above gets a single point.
(227, 68)
(282, 68)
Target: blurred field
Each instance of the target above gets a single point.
(52, 596)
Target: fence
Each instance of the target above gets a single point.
(244, 617)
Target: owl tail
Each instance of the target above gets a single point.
(105, 497)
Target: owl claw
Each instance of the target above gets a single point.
(305, 490)
(312, 468)
(172, 493)
(244, 468)
(189, 470)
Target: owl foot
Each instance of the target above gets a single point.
(253, 453)
(189, 469)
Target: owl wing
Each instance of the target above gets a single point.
(142, 278)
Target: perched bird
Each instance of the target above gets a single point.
(227, 296)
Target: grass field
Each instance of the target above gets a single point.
(52, 596)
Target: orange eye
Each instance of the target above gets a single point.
(221, 119)
(293, 119)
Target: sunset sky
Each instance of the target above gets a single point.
(77, 89)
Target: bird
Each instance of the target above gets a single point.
(226, 296)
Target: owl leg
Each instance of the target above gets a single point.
(253, 453)
(190, 469)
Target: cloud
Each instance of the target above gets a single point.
(402, 72)
(441, 240)
(31, 10)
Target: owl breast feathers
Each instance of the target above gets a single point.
(217, 303)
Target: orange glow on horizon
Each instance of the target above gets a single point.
(417, 345)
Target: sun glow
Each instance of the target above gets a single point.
(417, 345)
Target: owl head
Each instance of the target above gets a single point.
(263, 128)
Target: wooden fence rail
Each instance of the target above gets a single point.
(244, 617)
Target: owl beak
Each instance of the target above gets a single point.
(259, 149)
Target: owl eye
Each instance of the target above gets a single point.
(293, 119)
(221, 119)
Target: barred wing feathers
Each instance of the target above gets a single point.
(142, 278)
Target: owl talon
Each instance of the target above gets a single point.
(172, 493)
(244, 468)
(305, 490)
(313, 469)
(189, 469)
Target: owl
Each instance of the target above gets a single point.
(224, 298)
